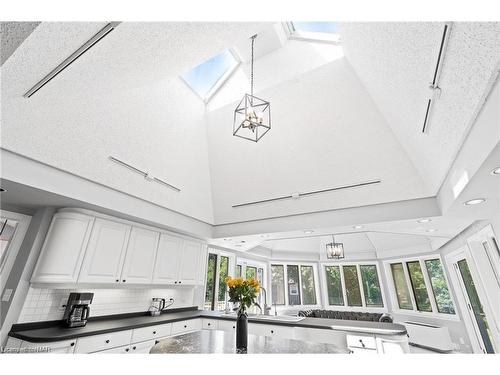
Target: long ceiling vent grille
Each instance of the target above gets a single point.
(434, 85)
(144, 174)
(298, 195)
(72, 58)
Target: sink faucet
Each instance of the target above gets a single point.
(266, 307)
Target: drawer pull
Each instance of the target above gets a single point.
(72, 344)
(127, 349)
(234, 327)
(208, 324)
(175, 282)
(124, 280)
(154, 332)
(117, 280)
(157, 341)
(185, 326)
(134, 348)
(107, 341)
(362, 343)
(272, 331)
(180, 282)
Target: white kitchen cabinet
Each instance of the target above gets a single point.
(210, 324)
(325, 336)
(186, 326)
(227, 325)
(142, 347)
(189, 262)
(361, 344)
(60, 347)
(151, 332)
(64, 249)
(392, 345)
(105, 252)
(140, 256)
(271, 330)
(91, 344)
(167, 258)
(118, 350)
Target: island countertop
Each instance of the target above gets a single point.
(222, 342)
(51, 331)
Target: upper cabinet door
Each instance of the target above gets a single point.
(64, 248)
(140, 258)
(167, 259)
(105, 253)
(189, 265)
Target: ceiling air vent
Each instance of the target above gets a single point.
(72, 58)
(298, 195)
(434, 85)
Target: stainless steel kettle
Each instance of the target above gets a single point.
(157, 305)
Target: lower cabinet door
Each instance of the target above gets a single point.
(105, 341)
(185, 326)
(227, 325)
(60, 347)
(119, 350)
(271, 330)
(210, 324)
(142, 347)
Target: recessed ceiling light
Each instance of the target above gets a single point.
(357, 226)
(308, 231)
(2, 190)
(431, 230)
(496, 171)
(475, 201)
(424, 221)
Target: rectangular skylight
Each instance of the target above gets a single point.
(207, 77)
(315, 31)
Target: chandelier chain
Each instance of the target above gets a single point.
(251, 66)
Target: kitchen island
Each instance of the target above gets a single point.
(223, 342)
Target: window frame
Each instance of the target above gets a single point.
(220, 82)
(346, 307)
(230, 271)
(317, 285)
(294, 34)
(414, 311)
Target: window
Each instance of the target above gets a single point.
(293, 284)
(371, 286)
(210, 291)
(207, 77)
(278, 284)
(439, 286)
(429, 292)
(418, 285)
(308, 288)
(315, 31)
(334, 286)
(251, 272)
(402, 291)
(223, 272)
(352, 289)
(238, 270)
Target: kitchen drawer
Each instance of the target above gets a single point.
(271, 330)
(186, 326)
(119, 350)
(142, 347)
(101, 342)
(363, 342)
(66, 346)
(151, 332)
(210, 324)
(227, 325)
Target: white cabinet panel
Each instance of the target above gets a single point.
(140, 256)
(152, 332)
(189, 263)
(271, 330)
(64, 248)
(119, 350)
(186, 326)
(227, 325)
(167, 259)
(325, 336)
(60, 347)
(105, 341)
(105, 252)
(142, 347)
(210, 324)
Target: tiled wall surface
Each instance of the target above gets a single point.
(46, 304)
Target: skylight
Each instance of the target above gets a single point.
(207, 77)
(320, 31)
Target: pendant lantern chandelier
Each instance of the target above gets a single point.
(252, 116)
(334, 250)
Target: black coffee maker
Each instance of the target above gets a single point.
(77, 309)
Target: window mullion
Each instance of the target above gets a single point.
(342, 282)
(361, 286)
(409, 285)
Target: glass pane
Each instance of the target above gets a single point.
(418, 285)
(334, 286)
(251, 272)
(205, 76)
(210, 291)
(238, 270)
(439, 286)
(477, 307)
(7, 229)
(317, 27)
(402, 291)
(293, 285)
(352, 286)
(278, 284)
(223, 272)
(260, 275)
(308, 288)
(371, 286)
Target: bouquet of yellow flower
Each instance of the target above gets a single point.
(243, 291)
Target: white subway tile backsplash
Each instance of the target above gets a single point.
(45, 304)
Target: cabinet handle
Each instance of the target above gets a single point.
(185, 326)
(134, 348)
(179, 282)
(127, 349)
(72, 344)
(272, 331)
(107, 341)
(233, 327)
(117, 280)
(124, 280)
(362, 343)
(157, 341)
(154, 332)
(208, 323)
(175, 282)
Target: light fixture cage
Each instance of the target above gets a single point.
(335, 250)
(252, 118)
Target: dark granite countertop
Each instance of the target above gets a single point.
(215, 341)
(55, 331)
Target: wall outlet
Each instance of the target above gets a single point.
(62, 303)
